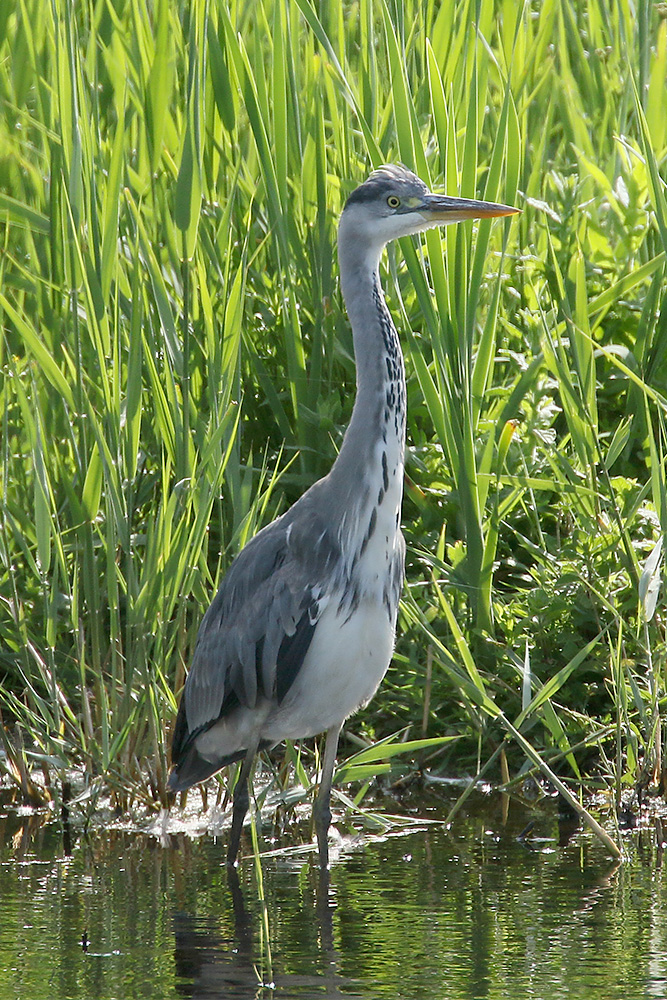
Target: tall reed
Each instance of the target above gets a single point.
(177, 366)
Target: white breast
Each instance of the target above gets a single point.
(347, 659)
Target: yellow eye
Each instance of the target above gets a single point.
(393, 201)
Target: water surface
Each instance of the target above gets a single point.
(466, 914)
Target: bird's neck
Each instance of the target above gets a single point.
(370, 461)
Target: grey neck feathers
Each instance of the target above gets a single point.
(379, 411)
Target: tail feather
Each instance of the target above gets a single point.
(193, 768)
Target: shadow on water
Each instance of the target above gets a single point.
(513, 901)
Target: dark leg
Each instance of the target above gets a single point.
(325, 907)
(241, 803)
(242, 921)
(322, 806)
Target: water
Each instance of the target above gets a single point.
(467, 914)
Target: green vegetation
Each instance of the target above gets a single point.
(177, 367)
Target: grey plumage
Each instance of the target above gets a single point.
(301, 630)
(270, 591)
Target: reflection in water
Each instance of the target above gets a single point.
(208, 966)
(492, 908)
(204, 966)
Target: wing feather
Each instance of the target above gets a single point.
(255, 635)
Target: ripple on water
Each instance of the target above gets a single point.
(467, 913)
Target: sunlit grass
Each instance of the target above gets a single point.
(177, 365)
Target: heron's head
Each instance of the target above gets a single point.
(394, 202)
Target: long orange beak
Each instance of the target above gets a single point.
(440, 208)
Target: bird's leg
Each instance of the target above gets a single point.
(322, 806)
(241, 803)
(242, 919)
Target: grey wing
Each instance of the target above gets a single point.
(255, 635)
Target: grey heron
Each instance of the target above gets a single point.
(301, 631)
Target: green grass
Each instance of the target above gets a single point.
(177, 365)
